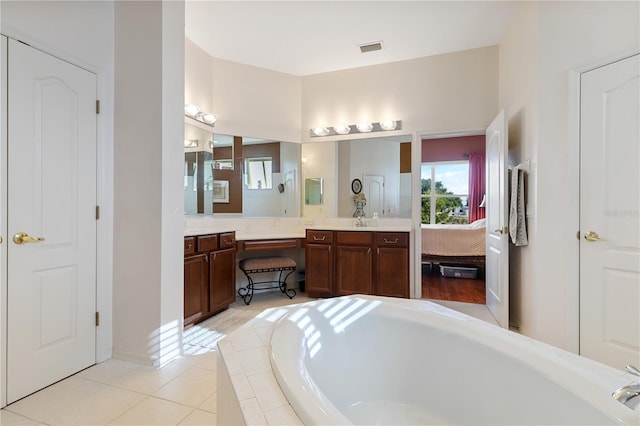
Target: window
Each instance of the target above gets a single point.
(445, 192)
(259, 173)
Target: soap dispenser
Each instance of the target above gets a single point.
(374, 219)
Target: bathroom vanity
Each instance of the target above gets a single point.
(340, 263)
(209, 275)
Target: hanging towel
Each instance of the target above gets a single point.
(517, 225)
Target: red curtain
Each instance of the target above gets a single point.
(476, 186)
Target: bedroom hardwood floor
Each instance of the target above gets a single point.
(435, 286)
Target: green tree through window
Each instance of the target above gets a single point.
(450, 207)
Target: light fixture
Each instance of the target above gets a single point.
(321, 131)
(388, 125)
(342, 129)
(193, 111)
(191, 143)
(484, 201)
(362, 127)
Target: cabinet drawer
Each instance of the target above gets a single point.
(319, 237)
(354, 237)
(392, 239)
(207, 243)
(189, 245)
(227, 240)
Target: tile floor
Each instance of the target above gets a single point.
(180, 393)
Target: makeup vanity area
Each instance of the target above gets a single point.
(243, 198)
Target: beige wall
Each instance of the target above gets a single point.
(452, 92)
(545, 43)
(518, 95)
(249, 101)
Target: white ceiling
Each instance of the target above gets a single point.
(310, 37)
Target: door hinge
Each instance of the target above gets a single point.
(97, 106)
(578, 235)
(97, 319)
(97, 212)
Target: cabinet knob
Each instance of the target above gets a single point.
(391, 242)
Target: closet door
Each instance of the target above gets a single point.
(51, 241)
(609, 213)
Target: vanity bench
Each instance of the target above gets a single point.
(257, 265)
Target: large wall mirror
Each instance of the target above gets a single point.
(382, 167)
(248, 176)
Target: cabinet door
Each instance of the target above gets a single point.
(319, 270)
(222, 275)
(392, 272)
(196, 288)
(354, 268)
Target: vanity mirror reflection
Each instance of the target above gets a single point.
(238, 175)
(313, 191)
(381, 168)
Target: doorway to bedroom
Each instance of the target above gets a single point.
(453, 218)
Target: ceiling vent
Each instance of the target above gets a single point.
(371, 47)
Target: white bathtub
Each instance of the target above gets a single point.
(374, 360)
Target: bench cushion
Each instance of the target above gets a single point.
(265, 264)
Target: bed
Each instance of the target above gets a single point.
(454, 244)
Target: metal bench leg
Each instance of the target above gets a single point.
(246, 292)
(283, 285)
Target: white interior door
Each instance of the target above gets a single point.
(497, 250)
(609, 214)
(51, 281)
(374, 191)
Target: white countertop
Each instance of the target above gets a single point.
(282, 227)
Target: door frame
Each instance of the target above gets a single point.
(104, 198)
(416, 188)
(3, 219)
(573, 198)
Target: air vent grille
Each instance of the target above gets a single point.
(371, 47)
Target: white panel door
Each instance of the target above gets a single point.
(374, 191)
(497, 236)
(51, 281)
(610, 214)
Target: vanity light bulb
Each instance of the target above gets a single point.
(388, 125)
(342, 129)
(364, 127)
(321, 131)
(209, 117)
(191, 110)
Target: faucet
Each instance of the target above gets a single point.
(629, 395)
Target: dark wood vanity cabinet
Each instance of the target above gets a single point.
(357, 262)
(319, 263)
(196, 278)
(222, 274)
(392, 264)
(354, 263)
(209, 275)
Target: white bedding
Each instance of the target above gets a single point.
(454, 240)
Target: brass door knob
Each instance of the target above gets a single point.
(592, 237)
(502, 230)
(23, 237)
